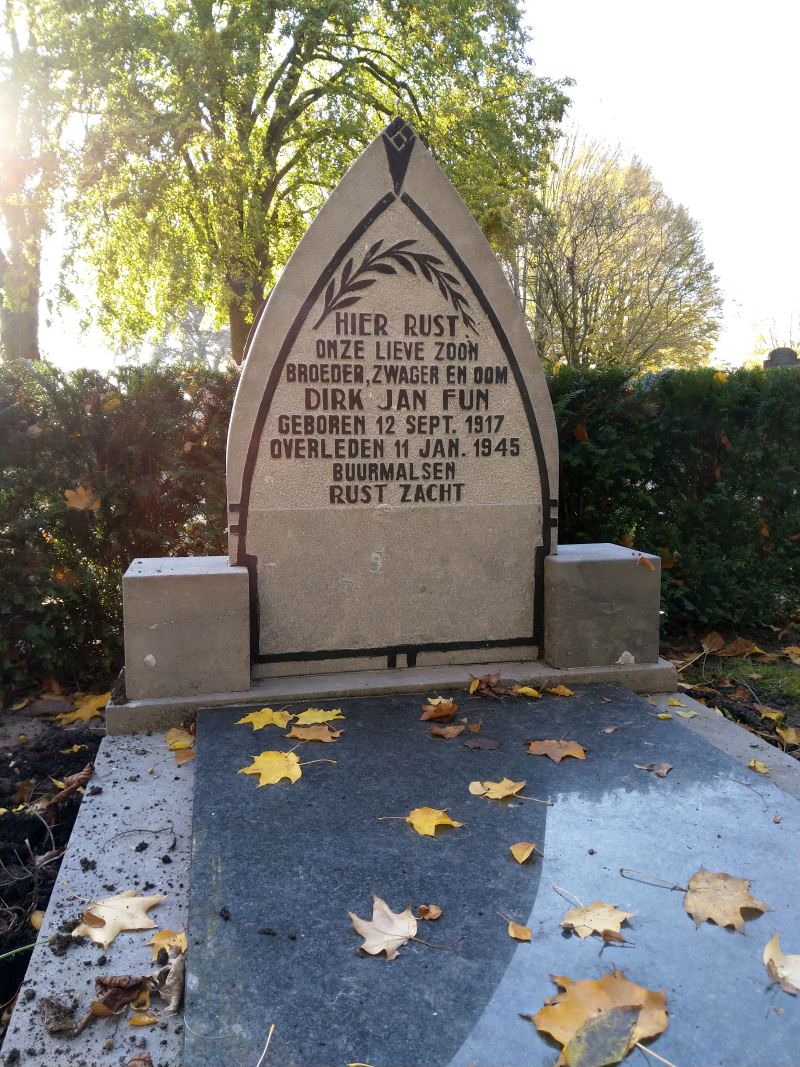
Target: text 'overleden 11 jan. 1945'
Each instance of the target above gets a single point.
(402, 407)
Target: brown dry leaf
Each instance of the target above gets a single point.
(487, 686)
(446, 732)
(596, 918)
(170, 981)
(267, 717)
(740, 646)
(272, 767)
(104, 919)
(523, 850)
(789, 736)
(387, 931)
(757, 766)
(660, 770)
(480, 743)
(319, 732)
(426, 820)
(519, 932)
(560, 691)
(564, 1014)
(71, 784)
(783, 969)
(442, 709)
(473, 727)
(720, 898)
(712, 642)
(766, 712)
(167, 939)
(603, 1039)
(431, 912)
(581, 433)
(82, 498)
(112, 993)
(87, 708)
(141, 1059)
(502, 790)
(556, 750)
(643, 561)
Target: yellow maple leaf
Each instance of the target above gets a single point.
(523, 850)
(318, 732)
(595, 918)
(581, 1002)
(714, 896)
(167, 939)
(560, 691)
(82, 498)
(273, 767)
(315, 715)
(87, 708)
(790, 735)
(782, 968)
(425, 820)
(178, 739)
(104, 919)
(757, 766)
(526, 691)
(267, 717)
(556, 750)
(502, 790)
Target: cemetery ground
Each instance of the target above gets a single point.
(46, 747)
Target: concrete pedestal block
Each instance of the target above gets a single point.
(601, 602)
(187, 627)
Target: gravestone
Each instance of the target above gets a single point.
(782, 357)
(392, 454)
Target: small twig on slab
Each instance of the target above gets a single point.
(665, 882)
(16, 951)
(536, 800)
(430, 945)
(266, 1047)
(655, 1055)
(169, 828)
(308, 764)
(569, 896)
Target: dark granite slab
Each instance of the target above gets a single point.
(296, 858)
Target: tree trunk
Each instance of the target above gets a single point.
(241, 317)
(19, 305)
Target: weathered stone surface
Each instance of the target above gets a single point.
(782, 357)
(392, 455)
(602, 603)
(187, 627)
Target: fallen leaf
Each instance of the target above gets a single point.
(315, 715)
(166, 939)
(480, 743)
(36, 918)
(757, 766)
(664, 715)
(431, 912)
(687, 714)
(112, 993)
(473, 685)
(766, 712)
(141, 1059)
(673, 702)
(791, 650)
(273, 767)
(82, 498)
(740, 646)
(526, 691)
(720, 898)
(581, 433)
(72, 749)
(523, 850)
(603, 1039)
(564, 1014)
(268, 717)
(319, 732)
(178, 739)
(643, 561)
(141, 1018)
(446, 732)
(560, 691)
(519, 932)
(712, 642)
(104, 919)
(170, 980)
(501, 790)
(473, 727)
(782, 968)
(426, 820)
(790, 735)
(595, 918)
(184, 755)
(556, 750)
(387, 931)
(87, 708)
(71, 784)
(660, 770)
(442, 709)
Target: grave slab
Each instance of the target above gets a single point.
(295, 859)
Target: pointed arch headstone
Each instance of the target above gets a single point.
(392, 453)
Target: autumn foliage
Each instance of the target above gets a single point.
(700, 467)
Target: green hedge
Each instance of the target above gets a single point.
(699, 466)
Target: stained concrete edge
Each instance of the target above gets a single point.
(120, 838)
(138, 715)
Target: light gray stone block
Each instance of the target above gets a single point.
(601, 606)
(187, 627)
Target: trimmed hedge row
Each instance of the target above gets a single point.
(700, 466)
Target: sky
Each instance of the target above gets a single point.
(708, 95)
